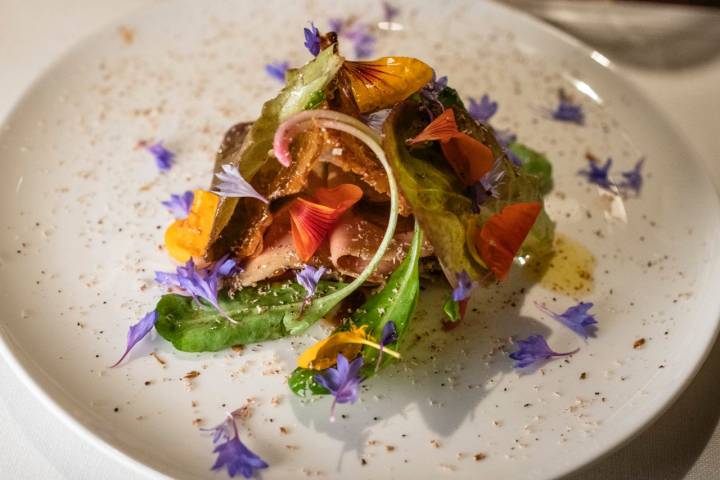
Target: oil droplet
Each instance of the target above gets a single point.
(568, 270)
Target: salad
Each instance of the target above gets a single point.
(356, 180)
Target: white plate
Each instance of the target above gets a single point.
(82, 222)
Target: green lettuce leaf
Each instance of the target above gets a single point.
(396, 301)
(262, 313)
(534, 163)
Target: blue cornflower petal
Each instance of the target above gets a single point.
(534, 349)
(233, 455)
(312, 39)
(483, 110)
(137, 332)
(179, 205)
(633, 178)
(336, 25)
(567, 111)
(389, 334)
(362, 39)
(598, 175)
(464, 286)
(232, 184)
(309, 277)
(343, 381)
(575, 318)
(487, 186)
(201, 283)
(389, 11)
(277, 70)
(164, 158)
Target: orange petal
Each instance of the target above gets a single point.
(324, 353)
(190, 237)
(469, 158)
(382, 83)
(341, 197)
(502, 235)
(442, 128)
(310, 222)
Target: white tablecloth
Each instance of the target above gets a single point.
(683, 444)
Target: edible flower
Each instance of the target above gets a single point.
(431, 93)
(567, 111)
(503, 234)
(487, 186)
(164, 158)
(309, 277)
(633, 178)
(389, 12)
(311, 222)
(137, 332)
(190, 237)
(312, 39)
(483, 110)
(323, 354)
(362, 39)
(343, 381)
(598, 175)
(232, 184)
(202, 283)
(389, 335)
(576, 318)
(233, 454)
(381, 83)
(464, 286)
(179, 205)
(534, 349)
(468, 157)
(277, 70)
(505, 138)
(337, 25)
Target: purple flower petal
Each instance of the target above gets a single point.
(534, 349)
(575, 318)
(464, 286)
(232, 184)
(487, 186)
(376, 120)
(389, 11)
(201, 283)
(343, 382)
(179, 205)
(221, 431)
(362, 39)
(633, 178)
(389, 334)
(277, 70)
(505, 138)
(233, 455)
(567, 111)
(598, 175)
(336, 25)
(164, 158)
(309, 277)
(312, 39)
(483, 110)
(137, 332)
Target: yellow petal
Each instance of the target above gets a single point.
(382, 83)
(190, 237)
(324, 353)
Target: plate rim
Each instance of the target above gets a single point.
(22, 366)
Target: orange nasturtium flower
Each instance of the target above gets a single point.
(311, 222)
(324, 353)
(382, 83)
(468, 157)
(500, 238)
(189, 238)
